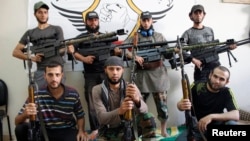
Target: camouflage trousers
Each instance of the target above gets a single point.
(160, 99)
(146, 128)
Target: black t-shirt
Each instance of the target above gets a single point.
(100, 55)
(206, 102)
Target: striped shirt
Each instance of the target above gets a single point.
(59, 113)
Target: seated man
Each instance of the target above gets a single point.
(58, 105)
(209, 99)
(113, 98)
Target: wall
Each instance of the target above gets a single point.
(228, 21)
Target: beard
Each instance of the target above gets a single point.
(211, 85)
(92, 30)
(42, 22)
(198, 21)
(114, 82)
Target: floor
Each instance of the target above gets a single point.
(7, 138)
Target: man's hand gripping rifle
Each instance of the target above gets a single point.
(129, 116)
(186, 95)
(34, 133)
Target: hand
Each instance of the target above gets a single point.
(133, 92)
(37, 58)
(127, 104)
(30, 109)
(89, 59)
(185, 104)
(140, 60)
(197, 63)
(233, 46)
(82, 136)
(71, 49)
(176, 50)
(112, 11)
(203, 122)
(117, 51)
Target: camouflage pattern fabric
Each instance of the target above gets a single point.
(146, 129)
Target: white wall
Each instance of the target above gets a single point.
(228, 21)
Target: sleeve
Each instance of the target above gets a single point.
(187, 56)
(59, 33)
(143, 107)
(23, 39)
(23, 107)
(78, 109)
(231, 103)
(104, 117)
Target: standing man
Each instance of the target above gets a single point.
(201, 34)
(152, 77)
(113, 97)
(209, 99)
(93, 64)
(58, 105)
(44, 33)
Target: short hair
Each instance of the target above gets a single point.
(224, 69)
(53, 64)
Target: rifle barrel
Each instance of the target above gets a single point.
(93, 37)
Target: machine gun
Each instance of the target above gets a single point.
(129, 115)
(210, 54)
(52, 48)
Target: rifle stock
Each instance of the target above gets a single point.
(186, 93)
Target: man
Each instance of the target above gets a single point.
(44, 33)
(113, 98)
(209, 99)
(59, 106)
(93, 64)
(201, 34)
(152, 77)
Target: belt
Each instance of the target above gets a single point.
(150, 65)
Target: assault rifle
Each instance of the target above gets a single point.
(210, 53)
(186, 95)
(34, 129)
(52, 47)
(129, 115)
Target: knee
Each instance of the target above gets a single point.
(147, 125)
(231, 122)
(21, 131)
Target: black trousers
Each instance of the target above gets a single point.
(92, 79)
(68, 134)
